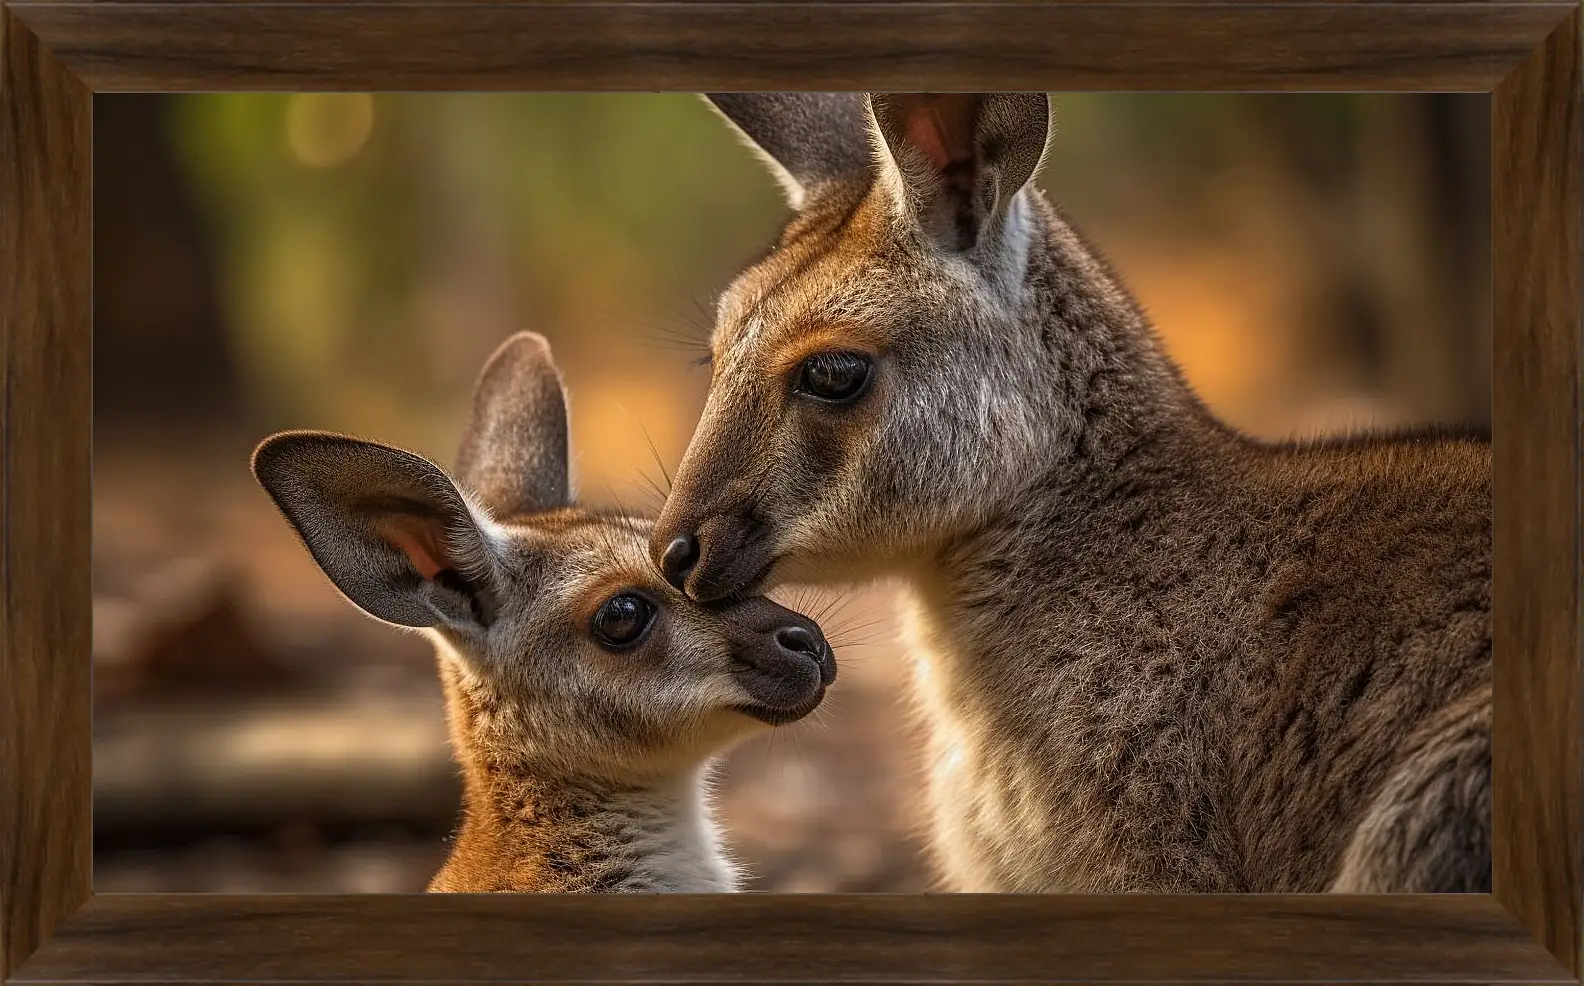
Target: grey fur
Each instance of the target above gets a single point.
(514, 452)
(337, 492)
(584, 767)
(994, 141)
(1153, 655)
(792, 132)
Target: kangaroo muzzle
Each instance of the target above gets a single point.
(719, 557)
(781, 660)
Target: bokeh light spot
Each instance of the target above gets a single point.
(327, 129)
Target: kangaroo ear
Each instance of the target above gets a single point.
(957, 160)
(387, 526)
(810, 140)
(514, 451)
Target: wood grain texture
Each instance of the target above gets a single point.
(960, 4)
(757, 938)
(55, 52)
(699, 46)
(45, 607)
(1536, 200)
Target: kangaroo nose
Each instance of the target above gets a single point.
(680, 557)
(800, 640)
(808, 642)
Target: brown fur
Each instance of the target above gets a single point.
(584, 760)
(527, 827)
(1153, 655)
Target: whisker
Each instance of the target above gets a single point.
(665, 336)
(656, 453)
(652, 490)
(846, 628)
(873, 628)
(848, 646)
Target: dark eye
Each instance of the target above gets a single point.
(836, 378)
(622, 621)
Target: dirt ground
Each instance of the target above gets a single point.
(253, 733)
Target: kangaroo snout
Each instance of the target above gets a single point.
(782, 661)
(678, 559)
(717, 558)
(809, 643)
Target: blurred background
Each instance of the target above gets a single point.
(346, 261)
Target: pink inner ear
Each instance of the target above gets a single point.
(416, 541)
(941, 127)
(924, 132)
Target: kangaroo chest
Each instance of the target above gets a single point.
(632, 844)
(1061, 779)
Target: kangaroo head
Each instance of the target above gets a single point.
(885, 368)
(559, 644)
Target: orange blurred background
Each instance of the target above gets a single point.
(1316, 263)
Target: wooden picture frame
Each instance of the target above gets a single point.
(57, 54)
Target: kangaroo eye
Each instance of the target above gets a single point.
(622, 621)
(836, 378)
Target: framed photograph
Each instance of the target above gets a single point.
(704, 516)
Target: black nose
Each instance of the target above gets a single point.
(681, 556)
(801, 640)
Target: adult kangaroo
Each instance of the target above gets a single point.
(1153, 654)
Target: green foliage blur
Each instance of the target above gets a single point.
(354, 230)
(1309, 258)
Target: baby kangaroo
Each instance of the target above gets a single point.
(587, 698)
(1153, 655)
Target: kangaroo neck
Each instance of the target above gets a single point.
(1120, 397)
(1127, 442)
(525, 831)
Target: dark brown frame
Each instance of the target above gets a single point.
(57, 54)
